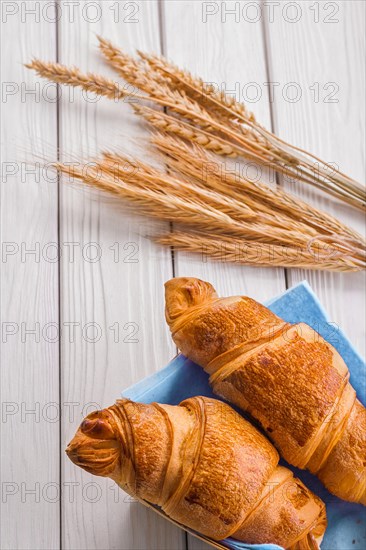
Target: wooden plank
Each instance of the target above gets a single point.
(232, 55)
(29, 289)
(323, 53)
(122, 296)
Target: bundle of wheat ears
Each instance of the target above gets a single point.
(215, 211)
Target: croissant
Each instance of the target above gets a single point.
(205, 467)
(287, 377)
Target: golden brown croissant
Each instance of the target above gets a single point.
(286, 376)
(205, 466)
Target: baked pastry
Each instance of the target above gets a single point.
(205, 467)
(287, 377)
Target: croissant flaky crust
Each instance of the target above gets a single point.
(205, 466)
(285, 376)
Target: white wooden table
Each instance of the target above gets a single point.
(75, 332)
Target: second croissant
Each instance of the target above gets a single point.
(287, 377)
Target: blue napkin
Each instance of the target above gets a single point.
(182, 379)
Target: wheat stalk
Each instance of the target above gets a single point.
(72, 76)
(193, 208)
(309, 165)
(138, 75)
(144, 176)
(235, 207)
(156, 204)
(125, 65)
(197, 163)
(189, 108)
(257, 253)
(165, 123)
(135, 73)
(153, 194)
(218, 101)
(210, 141)
(232, 110)
(213, 208)
(207, 209)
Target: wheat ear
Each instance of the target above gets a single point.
(256, 253)
(168, 86)
(71, 76)
(228, 107)
(191, 110)
(193, 161)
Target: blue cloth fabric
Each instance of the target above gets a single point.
(182, 379)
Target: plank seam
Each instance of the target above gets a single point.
(162, 40)
(268, 69)
(58, 183)
(163, 51)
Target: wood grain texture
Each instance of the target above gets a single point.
(323, 54)
(29, 294)
(121, 295)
